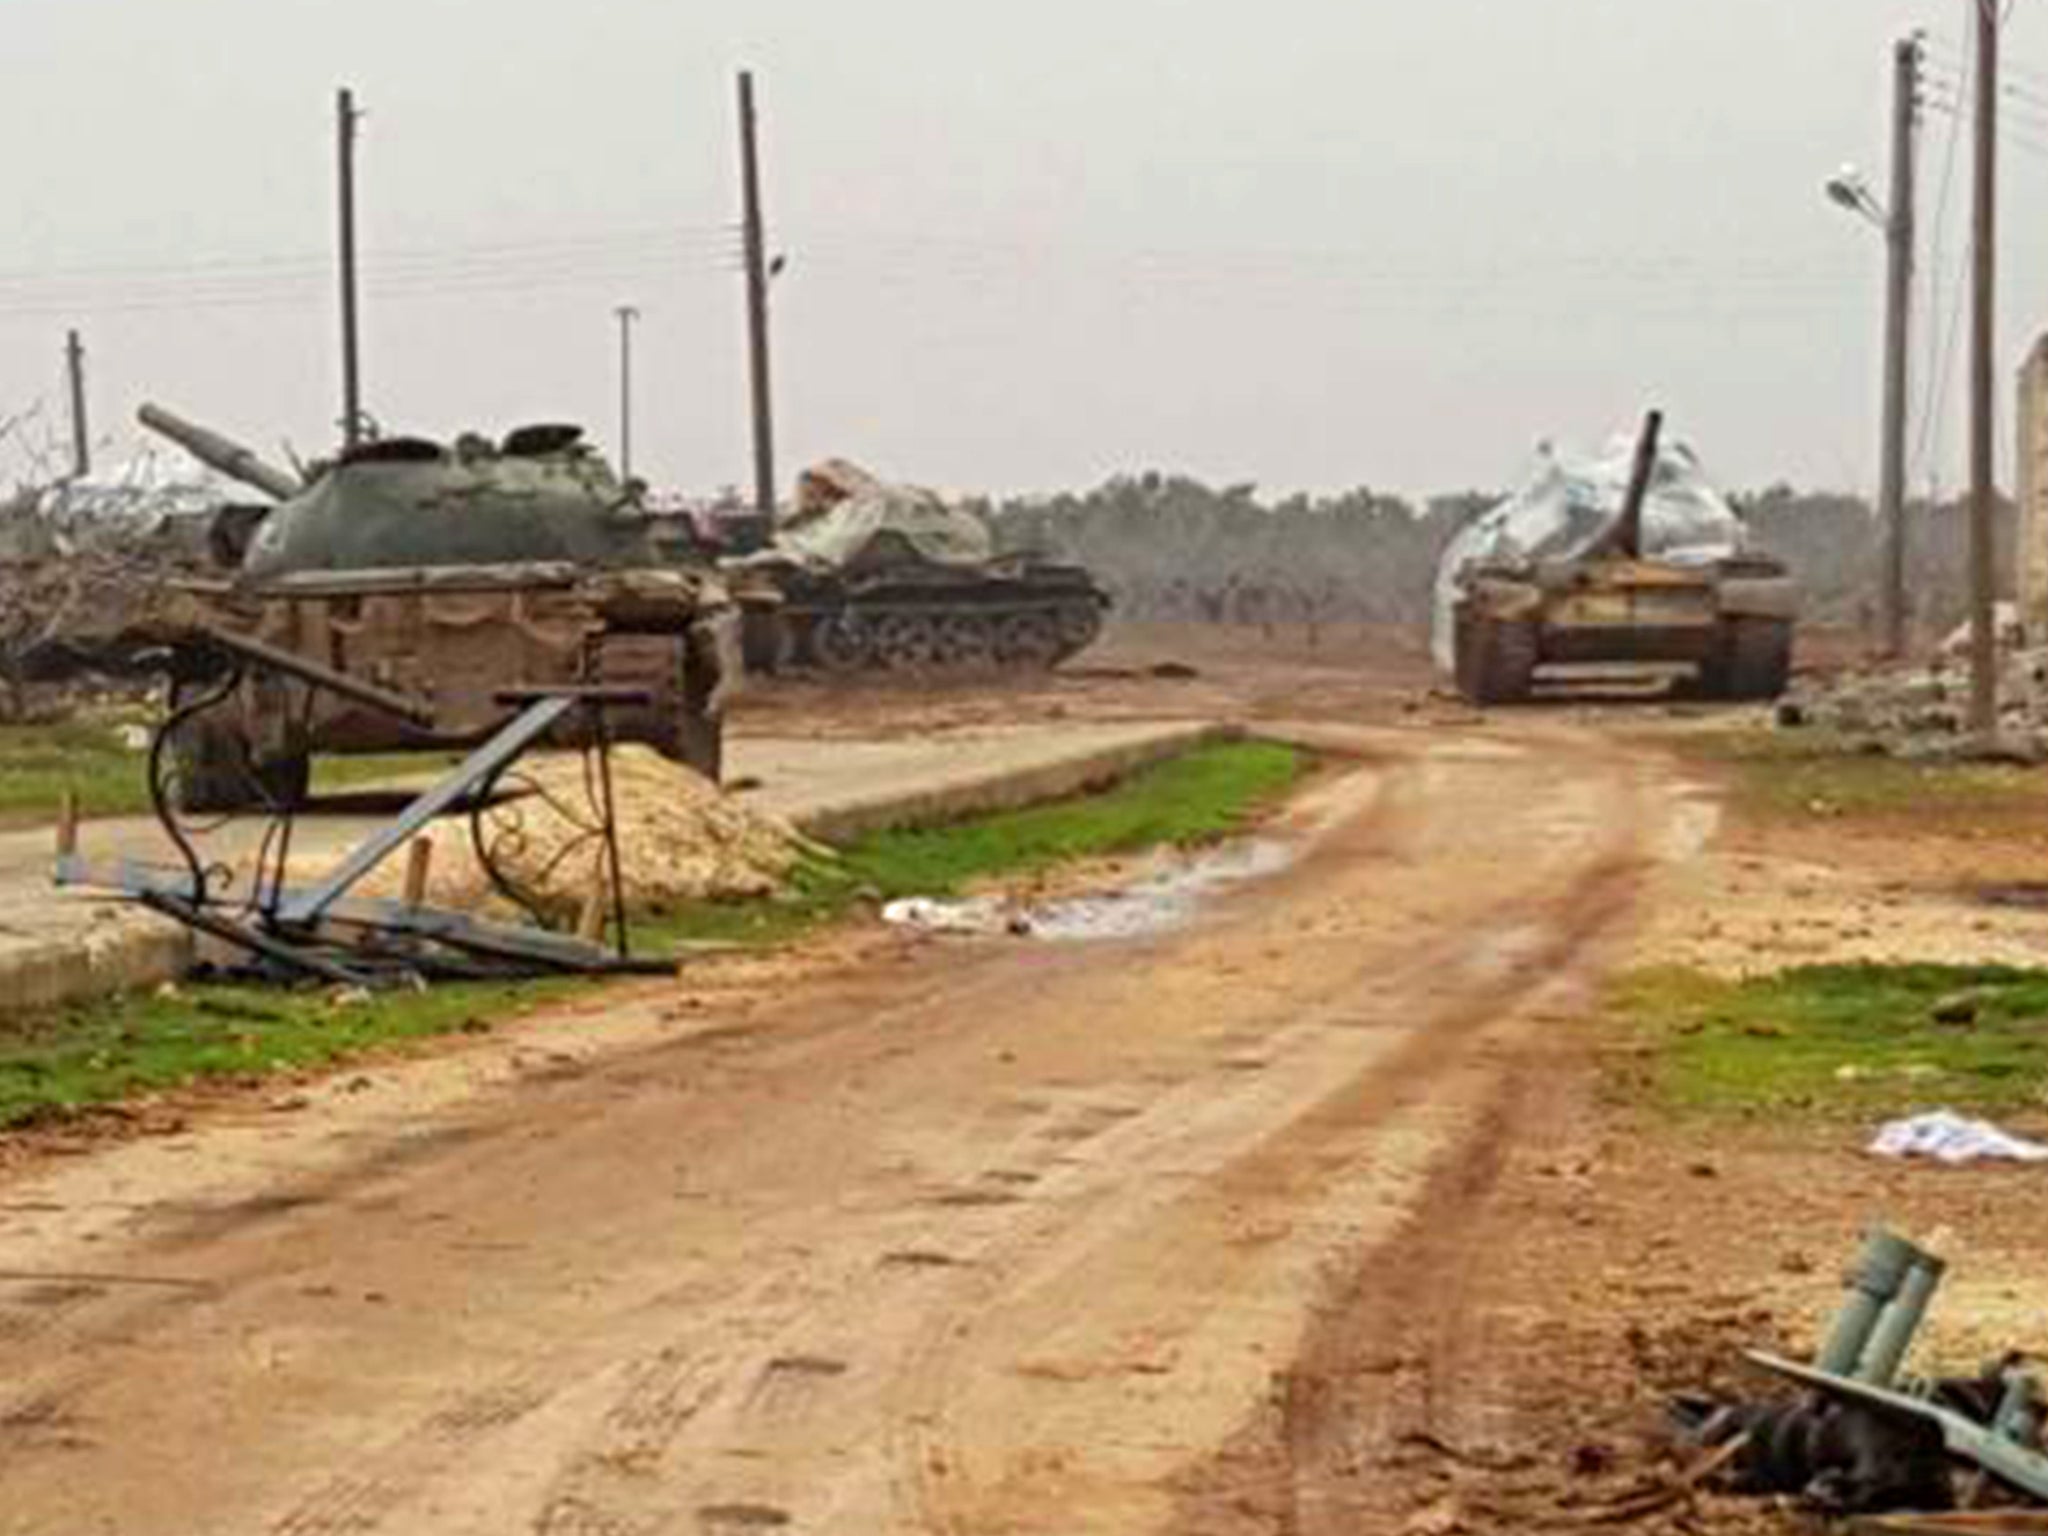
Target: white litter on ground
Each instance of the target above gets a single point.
(1948, 1137)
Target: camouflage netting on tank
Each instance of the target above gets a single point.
(845, 516)
(1568, 503)
(680, 839)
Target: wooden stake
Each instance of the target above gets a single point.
(67, 824)
(419, 861)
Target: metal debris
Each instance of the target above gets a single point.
(1864, 1438)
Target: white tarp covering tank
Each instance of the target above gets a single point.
(1633, 557)
(866, 575)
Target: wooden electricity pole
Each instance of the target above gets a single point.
(81, 436)
(1983, 341)
(757, 304)
(346, 120)
(1900, 224)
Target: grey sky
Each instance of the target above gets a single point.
(1304, 243)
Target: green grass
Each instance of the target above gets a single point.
(87, 756)
(39, 762)
(332, 775)
(102, 1052)
(1203, 795)
(1809, 776)
(1840, 1040)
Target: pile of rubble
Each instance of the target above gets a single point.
(1923, 712)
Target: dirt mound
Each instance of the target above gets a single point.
(680, 839)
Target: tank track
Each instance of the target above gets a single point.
(923, 638)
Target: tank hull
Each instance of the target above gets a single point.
(458, 642)
(918, 620)
(1730, 624)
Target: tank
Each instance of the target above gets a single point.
(450, 576)
(863, 576)
(1666, 578)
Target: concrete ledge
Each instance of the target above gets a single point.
(107, 948)
(973, 792)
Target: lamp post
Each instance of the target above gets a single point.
(1848, 190)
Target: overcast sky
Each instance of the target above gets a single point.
(1305, 243)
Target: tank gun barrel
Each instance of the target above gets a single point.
(1628, 532)
(224, 454)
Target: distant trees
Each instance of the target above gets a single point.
(1173, 548)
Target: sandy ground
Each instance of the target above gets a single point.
(1317, 1218)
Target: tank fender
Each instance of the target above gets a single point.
(715, 653)
(1760, 597)
(1505, 599)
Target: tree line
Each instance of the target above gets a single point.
(1170, 548)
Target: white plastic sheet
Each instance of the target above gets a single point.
(1566, 505)
(1948, 1137)
(842, 510)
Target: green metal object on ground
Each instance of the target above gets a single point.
(1890, 1291)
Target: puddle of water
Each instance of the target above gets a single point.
(1162, 901)
(1166, 899)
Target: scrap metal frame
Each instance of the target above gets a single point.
(325, 932)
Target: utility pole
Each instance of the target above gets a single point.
(627, 315)
(346, 120)
(1983, 339)
(81, 437)
(757, 304)
(1900, 225)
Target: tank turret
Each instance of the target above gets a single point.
(453, 577)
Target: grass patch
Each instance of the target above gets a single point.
(1201, 796)
(91, 758)
(1847, 1040)
(1819, 777)
(333, 775)
(101, 1052)
(39, 762)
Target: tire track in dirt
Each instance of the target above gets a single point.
(923, 1222)
(1358, 1122)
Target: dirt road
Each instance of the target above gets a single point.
(972, 1238)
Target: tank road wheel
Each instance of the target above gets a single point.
(1080, 627)
(965, 642)
(699, 743)
(906, 642)
(217, 775)
(1755, 661)
(1028, 640)
(211, 769)
(839, 643)
(285, 782)
(1496, 659)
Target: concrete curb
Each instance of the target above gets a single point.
(982, 793)
(117, 948)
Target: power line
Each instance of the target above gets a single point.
(1941, 349)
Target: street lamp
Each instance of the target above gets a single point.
(1847, 189)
